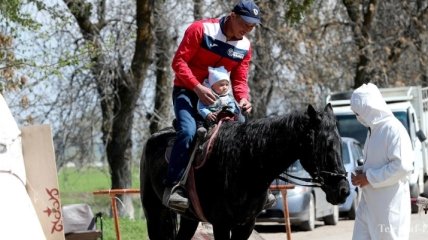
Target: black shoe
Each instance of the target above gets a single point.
(166, 195)
(270, 201)
(202, 132)
(177, 200)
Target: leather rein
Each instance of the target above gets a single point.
(317, 181)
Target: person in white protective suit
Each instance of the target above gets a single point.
(384, 210)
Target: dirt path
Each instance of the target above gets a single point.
(342, 231)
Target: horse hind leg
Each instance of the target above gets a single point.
(237, 232)
(187, 229)
(161, 221)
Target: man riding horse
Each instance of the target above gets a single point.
(207, 43)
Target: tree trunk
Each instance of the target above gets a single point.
(262, 83)
(362, 17)
(164, 43)
(118, 90)
(197, 9)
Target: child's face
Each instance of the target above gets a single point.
(221, 87)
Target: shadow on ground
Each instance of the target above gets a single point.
(278, 228)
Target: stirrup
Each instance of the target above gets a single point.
(181, 203)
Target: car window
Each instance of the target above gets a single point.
(345, 154)
(403, 118)
(295, 167)
(349, 127)
(357, 151)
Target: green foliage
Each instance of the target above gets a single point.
(11, 10)
(12, 16)
(296, 10)
(8, 65)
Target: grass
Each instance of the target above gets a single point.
(78, 185)
(129, 229)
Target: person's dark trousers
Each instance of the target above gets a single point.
(185, 102)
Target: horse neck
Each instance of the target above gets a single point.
(268, 148)
(285, 147)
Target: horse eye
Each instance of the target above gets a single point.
(330, 141)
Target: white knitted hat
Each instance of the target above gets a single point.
(217, 74)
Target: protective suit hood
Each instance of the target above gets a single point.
(367, 102)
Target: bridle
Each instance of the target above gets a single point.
(318, 180)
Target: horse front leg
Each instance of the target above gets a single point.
(243, 232)
(221, 231)
(187, 229)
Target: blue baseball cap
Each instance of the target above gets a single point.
(248, 10)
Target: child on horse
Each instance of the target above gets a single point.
(219, 82)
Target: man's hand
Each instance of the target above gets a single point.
(245, 105)
(359, 179)
(204, 94)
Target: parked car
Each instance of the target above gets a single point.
(352, 156)
(307, 204)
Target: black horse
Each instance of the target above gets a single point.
(245, 159)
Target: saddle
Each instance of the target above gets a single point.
(201, 148)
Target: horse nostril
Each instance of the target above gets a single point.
(344, 191)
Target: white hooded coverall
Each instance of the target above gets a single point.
(384, 210)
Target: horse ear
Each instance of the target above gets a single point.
(311, 111)
(329, 109)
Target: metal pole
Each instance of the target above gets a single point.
(283, 189)
(286, 213)
(116, 218)
(113, 193)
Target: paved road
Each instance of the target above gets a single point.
(342, 231)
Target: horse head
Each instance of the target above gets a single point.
(322, 154)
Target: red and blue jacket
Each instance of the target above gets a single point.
(205, 45)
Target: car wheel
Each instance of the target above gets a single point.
(309, 225)
(353, 210)
(332, 219)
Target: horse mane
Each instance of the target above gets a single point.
(248, 150)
